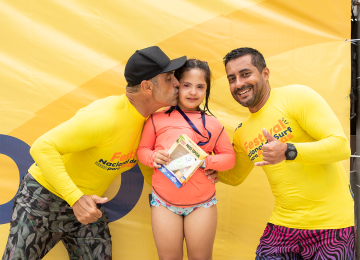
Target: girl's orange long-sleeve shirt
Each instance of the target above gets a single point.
(161, 131)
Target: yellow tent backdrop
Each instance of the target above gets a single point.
(57, 56)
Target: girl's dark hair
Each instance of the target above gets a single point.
(195, 64)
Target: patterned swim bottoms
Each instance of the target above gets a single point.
(282, 243)
(40, 220)
(182, 211)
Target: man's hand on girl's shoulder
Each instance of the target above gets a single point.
(212, 174)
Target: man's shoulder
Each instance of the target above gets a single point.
(108, 102)
(104, 106)
(238, 134)
(295, 91)
(296, 95)
(238, 126)
(102, 110)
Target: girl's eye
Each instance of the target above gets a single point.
(185, 85)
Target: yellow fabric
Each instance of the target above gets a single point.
(86, 153)
(60, 56)
(311, 192)
(147, 172)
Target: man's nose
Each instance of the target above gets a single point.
(176, 83)
(239, 83)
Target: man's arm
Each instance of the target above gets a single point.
(242, 168)
(77, 134)
(317, 119)
(224, 158)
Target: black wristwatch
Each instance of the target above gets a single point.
(291, 152)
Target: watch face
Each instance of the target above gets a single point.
(292, 154)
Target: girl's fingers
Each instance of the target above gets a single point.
(161, 157)
(163, 154)
(156, 165)
(161, 160)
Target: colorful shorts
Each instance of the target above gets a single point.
(41, 219)
(282, 243)
(182, 211)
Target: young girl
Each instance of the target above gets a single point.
(188, 212)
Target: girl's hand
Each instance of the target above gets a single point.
(212, 174)
(161, 157)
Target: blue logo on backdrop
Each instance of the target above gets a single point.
(132, 181)
(18, 151)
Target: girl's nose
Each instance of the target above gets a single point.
(193, 91)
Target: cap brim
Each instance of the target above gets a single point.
(175, 64)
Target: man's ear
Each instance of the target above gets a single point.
(266, 73)
(146, 85)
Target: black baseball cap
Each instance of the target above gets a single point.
(147, 63)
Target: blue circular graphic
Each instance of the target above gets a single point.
(132, 181)
(18, 151)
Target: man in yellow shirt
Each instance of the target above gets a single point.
(293, 134)
(60, 197)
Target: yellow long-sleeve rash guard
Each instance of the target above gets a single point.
(86, 153)
(313, 191)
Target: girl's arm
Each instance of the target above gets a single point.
(224, 158)
(146, 151)
(147, 155)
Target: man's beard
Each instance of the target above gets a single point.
(167, 99)
(248, 102)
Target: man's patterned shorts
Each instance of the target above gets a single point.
(41, 219)
(282, 243)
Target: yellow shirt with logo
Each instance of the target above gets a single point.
(312, 191)
(86, 153)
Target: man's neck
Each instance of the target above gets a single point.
(142, 104)
(262, 101)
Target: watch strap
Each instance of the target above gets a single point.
(291, 152)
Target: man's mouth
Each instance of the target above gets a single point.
(241, 92)
(245, 91)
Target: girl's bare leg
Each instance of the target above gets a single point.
(200, 229)
(168, 231)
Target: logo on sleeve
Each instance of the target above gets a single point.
(280, 131)
(240, 125)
